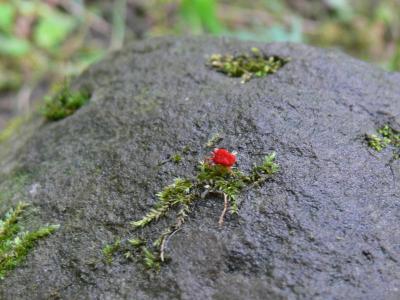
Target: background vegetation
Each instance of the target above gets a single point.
(43, 42)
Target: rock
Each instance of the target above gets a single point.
(326, 227)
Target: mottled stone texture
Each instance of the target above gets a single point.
(326, 227)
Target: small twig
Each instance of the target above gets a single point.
(162, 247)
(164, 243)
(221, 218)
(176, 227)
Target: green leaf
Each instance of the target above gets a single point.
(7, 15)
(53, 29)
(13, 46)
(201, 16)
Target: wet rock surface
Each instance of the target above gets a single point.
(326, 227)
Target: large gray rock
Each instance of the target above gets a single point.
(326, 227)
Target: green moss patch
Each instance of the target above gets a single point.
(178, 198)
(176, 158)
(64, 102)
(15, 242)
(246, 66)
(109, 250)
(386, 137)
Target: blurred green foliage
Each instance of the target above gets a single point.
(38, 39)
(275, 33)
(13, 46)
(201, 16)
(7, 14)
(52, 29)
(43, 42)
(367, 29)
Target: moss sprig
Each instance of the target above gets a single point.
(175, 194)
(246, 66)
(15, 243)
(110, 249)
(386, 136)
(64, 102)
(215, 176)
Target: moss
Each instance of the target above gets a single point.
(376, 143)
(136, 242)
(175, 194)
(393, 136)
(246, 66)
(176, 158)
(150, 259)
(16, 243)
(178, 198)
(64, 102)
(268, 167)
(186, 150)
(386, 136)
(110, 250)
(181, 195)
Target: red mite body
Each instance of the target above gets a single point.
(223, 157)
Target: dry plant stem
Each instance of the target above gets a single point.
(162, 247)
(221, 218)
(164, 243)
(176, 227)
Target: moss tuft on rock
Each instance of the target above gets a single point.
(182, 193)
(15, 243)
(246, 66)
(64, 102)
(387, 136)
